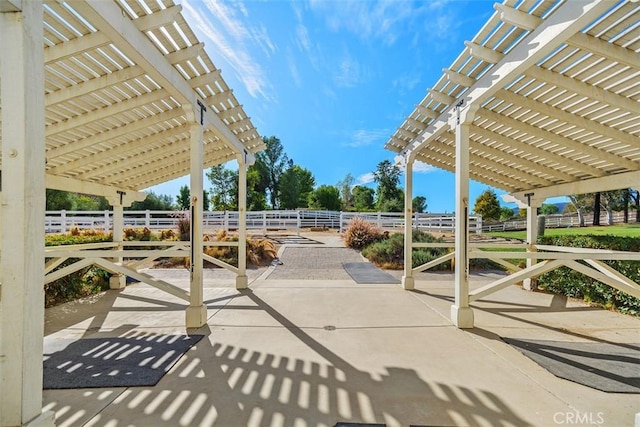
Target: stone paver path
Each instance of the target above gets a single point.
(314, 263)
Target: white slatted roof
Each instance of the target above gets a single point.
(557, 83)
(122, 79)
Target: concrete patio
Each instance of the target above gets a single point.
(301, 352)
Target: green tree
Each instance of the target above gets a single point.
(325, 197)
(82, 202)
(58, 200)
(614, 200)
(419, 204)
(363, 198)
(346, 192)
(256, 194)
(153, 202)
(390, 197)
(296, 183)
(488, 206)
(183, 199)
(206, 201)
(271, 163)
(548, 209)
(224, 191)
(506, 213)
(581, 204)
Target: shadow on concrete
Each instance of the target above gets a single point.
(229, 385)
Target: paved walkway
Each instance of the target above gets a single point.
(317, 352)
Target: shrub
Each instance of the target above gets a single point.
(389, 253)
(360, 233)
(260, 251)
(85, 282)
(138, 234)
(574, 284)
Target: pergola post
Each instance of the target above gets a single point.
(196, 315)
(117, 280)
(531, 283)
(22, 209)
(242, 281)
(461, 313)
(408, 281)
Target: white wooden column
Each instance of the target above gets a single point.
(22, 206)
(408, 281)
(242, 281)
(461, 313)
(117, 280)
(196, 315)
(531, 284)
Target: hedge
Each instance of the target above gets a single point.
(574, 284)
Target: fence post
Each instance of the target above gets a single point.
(63, 221)
(264, 223)
(299, 221)
(147, 218)
(479, 224)
(107, 225)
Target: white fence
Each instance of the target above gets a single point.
(63, 221)
(560, 221)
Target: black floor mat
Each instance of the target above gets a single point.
(613, 368)
(112, 362)
(367, 273)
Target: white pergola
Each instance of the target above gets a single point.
(102, 97)
(543, 102)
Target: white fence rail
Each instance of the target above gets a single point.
(560, 221)
(63, 221)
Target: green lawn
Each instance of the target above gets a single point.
(625, 230)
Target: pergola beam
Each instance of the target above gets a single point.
(532, 149)
(496, 179)
(158, 19)
(567, 20)
(484, 53)
(563, 141)
(130, 151)
(506, 172)
(610, 51)
(85, 187)
(517, 18)
(107, 17)
(594, 185)
(163, 167)
(585, 89)
(110, 135)
(89, 86)
(185, 54)
(105, 112)
(565, 116)
(74, 47)
(513, 158)
(459, 79)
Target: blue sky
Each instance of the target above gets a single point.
(333, 79)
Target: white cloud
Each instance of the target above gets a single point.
(418, 166)
(293, 69)
(365, 178)
(231, 39)
(365, 137)
(387, 20)
(302, 38)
